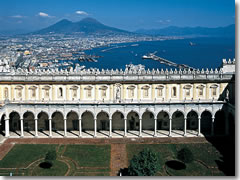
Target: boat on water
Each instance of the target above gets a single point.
(135, 45)
(192, 44)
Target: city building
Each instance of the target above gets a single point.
(134, 102)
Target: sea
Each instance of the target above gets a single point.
(199, 53)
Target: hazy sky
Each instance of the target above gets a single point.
(124, 14)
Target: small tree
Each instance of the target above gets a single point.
(144, 164)
(185, 155)
(51, 156)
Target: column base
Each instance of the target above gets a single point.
(65, 136)
(50, 136)
(36, 136)
(169, 135)
(185, 135)
(21, 136)
(110, 136)
(155, 136)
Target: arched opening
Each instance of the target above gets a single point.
(43, 122)
(14, 123)
(178, 123)
(2, 125)
(28, 122)
(219, 123)
(118, 123)
(148, 123)
(163, 123)
(103, 123)
(57, 123)
(72, 122)
(206, 123)
(231, 122)
(133, 123)
(87, 122)
(192, 122)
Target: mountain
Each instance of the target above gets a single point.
(85, 26)
(228, 31)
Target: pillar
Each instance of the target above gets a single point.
(170, 127)
(36, 128)
(7, 128)
(155, 127)
(125, 127)
(21, 122)
(110, 127)
(140, 127)
(50, 127)
(185, 126)
(65, 127)
(80, 127)
(212, 127)
(95, 127)
(199, 126)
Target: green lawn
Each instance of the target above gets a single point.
(21, 155)
(89, 155)
(203, 152)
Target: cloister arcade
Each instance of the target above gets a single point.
(115, 123)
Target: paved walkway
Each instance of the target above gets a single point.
(118, 158)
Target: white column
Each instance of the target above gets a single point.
(185, 126)
(65, 127)
(7, 128)
(50, 127)
(125, 127)
(95, 127)
(21, 122)
(199, 126)
(110, 127)
(155, 127)
(170, 127)
(36, 128)
(140, 127)
(80, 127)
(212, 127)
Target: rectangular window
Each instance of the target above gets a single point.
(214, 91)
(145, 92)
(89, 93)
(131, 93)
(160, 92)
(187, 92)
(46, 93)
(74, 91)
(104, 94)
(19, 93)
(200, 91)
(33, 93)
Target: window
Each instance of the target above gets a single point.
(74, 91)
(88, 92)
(187, 90)
(160, 91)
(200, 90)
(33, 92)
(6, 93)
(145, 91)
(60, 92)
(174, 91)
(19, 92)
(131, 91)
(46, 91)
(103, 91)
(214, 90)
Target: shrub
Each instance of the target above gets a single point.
(185, 155)
(51, 156)
(144, 164)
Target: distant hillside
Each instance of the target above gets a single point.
(85, 26)
(228, 31)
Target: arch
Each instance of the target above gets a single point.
(133, 121)
(148, 121)
(102, 121)
(192, 120)
(14, 122)
(87, 121)
(28, 121)
(72, 121)
(57, 121)
(178, 121)
(206, 122)
(133, 112)
(219, 123)
(163, 119)
(43, 121)
(118, 121)
(231, 125)
(2, 124)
